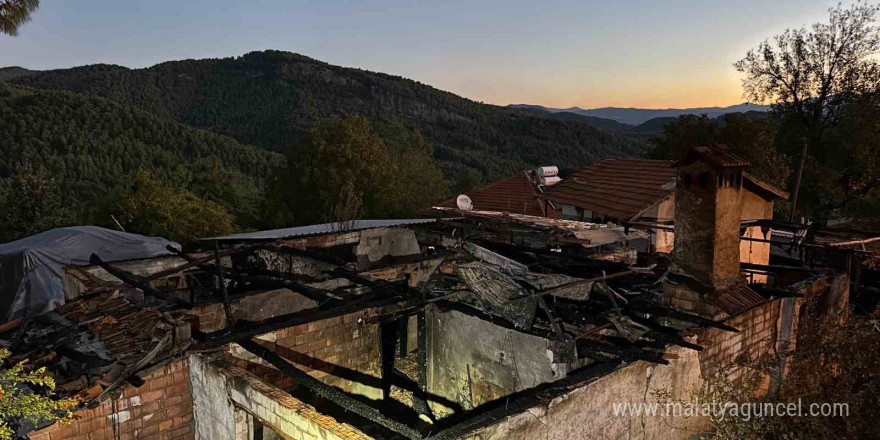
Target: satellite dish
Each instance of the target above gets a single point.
(464, 203)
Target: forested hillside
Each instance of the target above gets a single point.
(270, 99)
(92, 148)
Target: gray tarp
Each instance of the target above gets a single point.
(30, 268)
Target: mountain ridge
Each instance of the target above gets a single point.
(271, 98)
(637, 116)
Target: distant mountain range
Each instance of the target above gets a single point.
(270, 99)
(638, 116)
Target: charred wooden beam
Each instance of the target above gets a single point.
(409, 311)
(398, 379)
(192, 262)
(224, 295)
(679, 315)
(219, 338)
(629, 352)
(388, 337)
(403, 331)
(266, 282)
(551, 317)
(132, 280)
(330, 393)
(501, 322)
(422, 360)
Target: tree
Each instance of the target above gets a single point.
(341, 171)
(682, 134)
(32, 203)
(810, 75)
(14, 13)
(153, 208)
(18, 403)
(749, 137)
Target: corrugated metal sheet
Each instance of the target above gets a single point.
(323, 228)
(619, 188)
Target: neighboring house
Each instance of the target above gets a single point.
(518, 194)
(643, 191)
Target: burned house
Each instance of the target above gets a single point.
(482, 325)
(642, 193)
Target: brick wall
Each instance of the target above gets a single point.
(341, 341)
(161, 408)
(211, 317)
(758, 334)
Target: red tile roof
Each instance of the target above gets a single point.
(516, 194)
(619, 188)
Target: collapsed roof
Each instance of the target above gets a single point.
(31, 267)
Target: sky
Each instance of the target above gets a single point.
(584, 53)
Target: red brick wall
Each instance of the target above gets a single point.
(160, 409)
(341, 341)
(758, 333)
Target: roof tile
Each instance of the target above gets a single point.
(619, 188)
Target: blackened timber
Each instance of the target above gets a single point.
(458, 425)
(403, 331)
(499, 321)
(663, 333)
(388, 337)
(409, 311)
(227, 309)
(672, 338)
(307, 291)
(219, 338)
(554, 323)
(328, 392)
(679, 315)
(422, 360)
(132, 280)
(398, 379)
(195, 261)
(629, 352)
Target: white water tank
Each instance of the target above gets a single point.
(549, 171)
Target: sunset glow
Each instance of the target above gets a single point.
(571, 53)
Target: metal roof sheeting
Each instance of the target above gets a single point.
(323, 228)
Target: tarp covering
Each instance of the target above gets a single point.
(30, 268)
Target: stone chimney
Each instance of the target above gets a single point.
(707, 214)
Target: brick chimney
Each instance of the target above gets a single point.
(707, 214)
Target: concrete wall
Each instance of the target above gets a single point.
(662, 240)
(233, 390)
(213, 409)
(161, 408)
(472, 361)
(588, 412)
